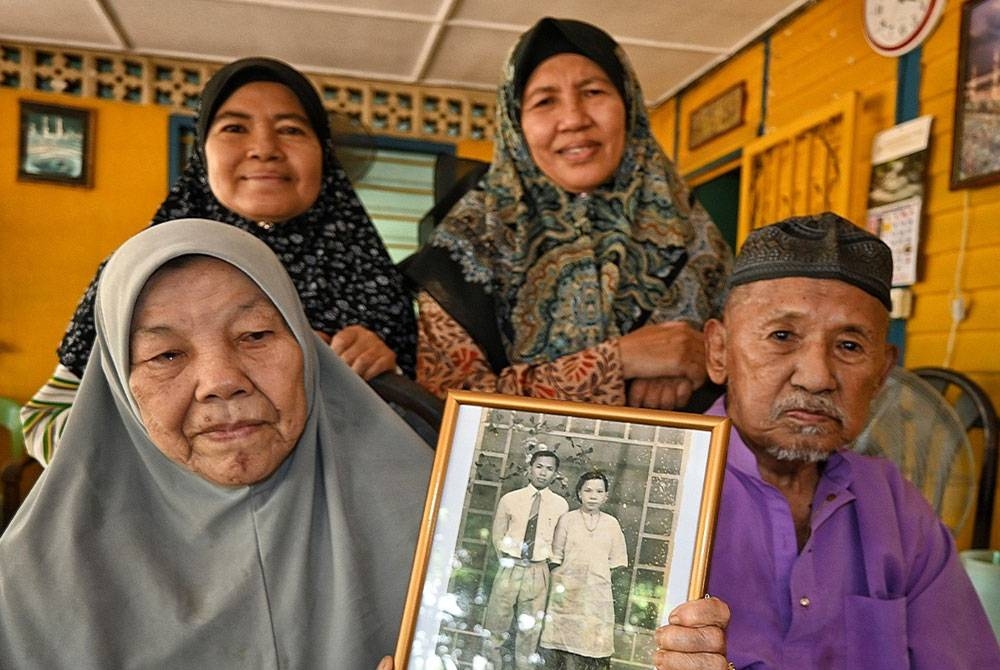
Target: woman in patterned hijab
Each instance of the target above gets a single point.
(580, 268)
(264, 162)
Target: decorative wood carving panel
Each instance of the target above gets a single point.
(436, 114)
(804, 168)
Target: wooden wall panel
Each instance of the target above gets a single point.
(663, 122)
(746, 67)
(935, 308)
(968, 357)
(393, 109)
(980, 272)
(975, 352)
(799, 168)
(821, 56)
(944, 233)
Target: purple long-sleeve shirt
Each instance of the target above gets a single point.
(878, 585)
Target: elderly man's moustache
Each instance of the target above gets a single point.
(820, 404)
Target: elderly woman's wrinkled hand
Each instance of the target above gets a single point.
(695, 638)
(670, 349)
(363, 351)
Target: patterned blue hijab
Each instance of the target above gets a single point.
(568, 271)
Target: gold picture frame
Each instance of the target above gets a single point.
(663, 476)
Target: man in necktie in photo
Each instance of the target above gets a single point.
(523, 527)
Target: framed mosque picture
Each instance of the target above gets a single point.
(555, 528)
(55, 144)
(974, 159)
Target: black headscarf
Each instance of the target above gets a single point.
(246, 70)
(332, 252)
(550, 37)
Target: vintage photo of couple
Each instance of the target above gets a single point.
(564, 542)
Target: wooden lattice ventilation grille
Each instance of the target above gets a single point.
(800, 169)
(388, 109)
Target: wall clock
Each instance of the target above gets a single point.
(894, 27)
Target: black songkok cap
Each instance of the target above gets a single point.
(247, 70)
(550, 37)
(822, 246)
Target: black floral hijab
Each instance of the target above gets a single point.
(567, 271)
(332, 252)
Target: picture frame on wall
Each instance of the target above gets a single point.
(975, 157)
(181, 138)
(717, 116)
(560, 490)
(55, 144)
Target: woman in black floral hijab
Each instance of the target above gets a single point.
(264, 162)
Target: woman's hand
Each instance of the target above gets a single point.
(363, 351)
(695, 638)
(385, 663)
(672, 349)
(660, 392)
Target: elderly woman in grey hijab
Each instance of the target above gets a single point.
(231, 494)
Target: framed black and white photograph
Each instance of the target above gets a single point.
(559, 529)
(975, 159)
(55, 144)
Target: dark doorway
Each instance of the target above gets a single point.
(721, 198)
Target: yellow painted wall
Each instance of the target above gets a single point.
(478, 149)
(821, 57)
(975, 350)
(662, 122)
(746, 68)
(54, 236)
(817, 57)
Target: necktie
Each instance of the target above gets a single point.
(531, 529)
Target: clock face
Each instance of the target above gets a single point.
(894, 27)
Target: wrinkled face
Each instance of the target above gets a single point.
(592, 495)
(574, 122)
(542, 472)
(216, 373)
(803, 359)
(264, 160)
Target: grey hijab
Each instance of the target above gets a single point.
(120, 558)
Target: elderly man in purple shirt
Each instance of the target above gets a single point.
(825, 558)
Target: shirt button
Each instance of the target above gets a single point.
(804, 601)
(831, 497)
